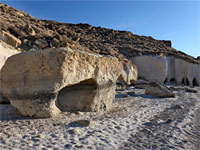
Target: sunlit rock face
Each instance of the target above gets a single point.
(42, 83)
(167, 69)
(151, 67)
(5, 52)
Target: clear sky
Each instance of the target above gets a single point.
(175, 20)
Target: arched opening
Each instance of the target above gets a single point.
(78, 97)
(195, 82)
(187, 82)
(183, 81)
(173, 80)
(165, 81)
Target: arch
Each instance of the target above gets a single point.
(78, 97)
(165, 80)
(195, 82)
(173, 80)
(187, 82)
(183, 81)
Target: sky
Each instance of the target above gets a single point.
(175, 20)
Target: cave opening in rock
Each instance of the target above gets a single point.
(183, 81)
(187, 82)
(172, 80)
(165, 81)
(78, 97)
(195, 82)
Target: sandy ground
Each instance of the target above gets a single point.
(137, 121)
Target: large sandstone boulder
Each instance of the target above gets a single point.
(43, 83)
(158, 90)
(9, 39)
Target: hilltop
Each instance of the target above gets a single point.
(36, 34)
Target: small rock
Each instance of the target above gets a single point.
(168, 121)
(81, 123)
(73, 131)
(131, 93)
(30, 30)
(68, 146)
(158, 90)
(177, 107)
(78, 113)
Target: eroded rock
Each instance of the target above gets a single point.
(43, 83)
(9, 39)
(158, 90)
(129, 74)
(5, 52)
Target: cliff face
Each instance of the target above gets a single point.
(36, 34)
(167, 69)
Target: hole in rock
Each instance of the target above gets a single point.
(187, 81)
(173, 80)
(165, 81)
(195, 82)
(183, 81)
(78, 97)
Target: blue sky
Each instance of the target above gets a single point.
(178, 21)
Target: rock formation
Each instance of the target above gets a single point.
(163, 60)
(5, 52)
(168, 69)
(43, 83)
(158, 90)
(10, 39)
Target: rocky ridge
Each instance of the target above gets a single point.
(38, 34)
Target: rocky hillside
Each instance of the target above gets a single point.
(41, 34)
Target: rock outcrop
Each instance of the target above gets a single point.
(129, 74)
(43, 83)
(158, 90)
(151, 67)
(128, 48)
(10, 39)
(5, 52)
(167, 69)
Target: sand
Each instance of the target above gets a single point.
(137, 121)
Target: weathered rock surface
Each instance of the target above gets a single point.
(151, 67)
(158, 90)
(10, 39)
(5, 52)
(43, 83)
(129, 74)
(161, 60)
(167, 69)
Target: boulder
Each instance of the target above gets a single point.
(30, 31)
(158, 90)
(9, 39)
(42, 83)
